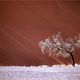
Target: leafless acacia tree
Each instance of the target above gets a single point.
(57, 46)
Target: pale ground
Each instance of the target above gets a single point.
(57, 72)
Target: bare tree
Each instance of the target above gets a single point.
(57, 46)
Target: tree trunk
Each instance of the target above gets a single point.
(72, 58)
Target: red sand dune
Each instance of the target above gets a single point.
(24, 23)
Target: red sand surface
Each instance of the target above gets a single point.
(24, 23)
